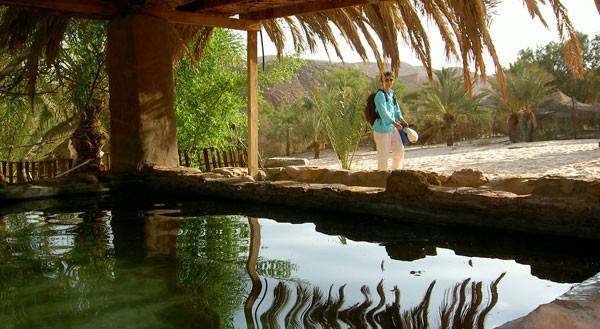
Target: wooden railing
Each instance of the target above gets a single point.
(36, 170)
(209, 158)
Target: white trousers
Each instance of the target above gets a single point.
(387, 142)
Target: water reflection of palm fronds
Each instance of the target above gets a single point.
(463, 307)
(282, 294)
(333, 306)
(292, 319)
(493, 301)
(374, 310)
(355, 315)
(310, 321)
(419, 315)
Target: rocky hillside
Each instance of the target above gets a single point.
(308, 79)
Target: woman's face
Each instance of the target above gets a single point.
(388, 81)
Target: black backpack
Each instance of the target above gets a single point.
(370, 113)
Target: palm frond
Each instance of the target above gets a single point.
(376, 27)
(37, 31)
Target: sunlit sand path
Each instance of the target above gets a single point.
(567, 158)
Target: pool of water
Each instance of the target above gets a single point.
(217, 264)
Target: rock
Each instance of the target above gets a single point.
(316, 175)
(407, 182)
(261, 176)
(308, 174)
(443, 178)
(302, 172)
(284, 162)
(516, 185)
(231, 171)
(561, 187)
(87, 178)
(368, 178)
(579, 308)
(329, 176)
(276, 174)
(469, 178)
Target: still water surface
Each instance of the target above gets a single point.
(181, 266)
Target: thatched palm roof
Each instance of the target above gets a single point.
(368, 26)
(562, 105)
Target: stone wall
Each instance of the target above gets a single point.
(406, 180)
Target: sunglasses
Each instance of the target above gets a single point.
(389, 80)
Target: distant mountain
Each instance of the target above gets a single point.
(413, 77)
(308, 78)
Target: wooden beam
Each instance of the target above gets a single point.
(202, 19)
(198, 5)
(107, 10)
(306, 8)
(92, 8)
(252, 103)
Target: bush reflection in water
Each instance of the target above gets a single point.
(160, 269)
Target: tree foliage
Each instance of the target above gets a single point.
(209, 96)
(527, 86)
(446, 104)
(340, 105)
(63, 91)
(552, 59)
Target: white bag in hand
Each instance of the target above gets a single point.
(412, 135)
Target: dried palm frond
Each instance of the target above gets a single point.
(36, 31)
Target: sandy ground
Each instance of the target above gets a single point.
(500, 158)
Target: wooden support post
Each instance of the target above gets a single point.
(252, 103)
(10, 173)
(34, 173)
(206, 160)
(215, 164)
(142, 114)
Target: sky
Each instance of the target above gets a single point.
(512, 30)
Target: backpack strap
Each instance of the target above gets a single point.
(377, 115)
(386, 96)
(383, 91)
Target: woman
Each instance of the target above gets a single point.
(385, 128)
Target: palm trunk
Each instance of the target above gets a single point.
(513, 132)
(316, 146)
(89, 137)
(449, 132)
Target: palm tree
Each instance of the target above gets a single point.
(67, 94)
(448, 101)
(340, 108)
(311, 123)
(527, 86)
(340, 105)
